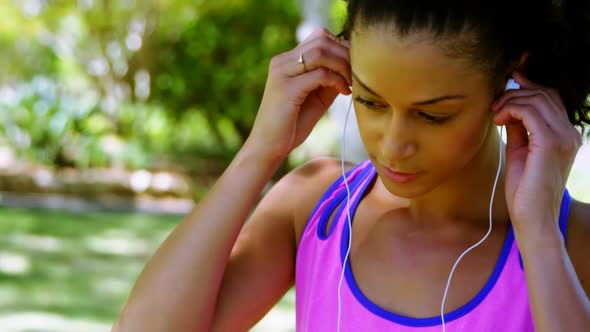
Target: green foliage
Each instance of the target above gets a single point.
(98, 83)
(338, 15)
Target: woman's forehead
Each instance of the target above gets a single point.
(386, 62)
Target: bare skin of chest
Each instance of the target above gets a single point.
(403, 266)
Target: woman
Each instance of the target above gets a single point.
(427, 79)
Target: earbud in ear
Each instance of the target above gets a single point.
(512, 85)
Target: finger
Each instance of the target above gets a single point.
(323, 52)
(334, 47)
(316, 38)
(524, 82)
(516, 136)
(315, 53)
(324, 56)
(322, 35)
(567, 139)
(557, 120)
(302, 86)
(531, 120)
(510, 94)
(552, 93)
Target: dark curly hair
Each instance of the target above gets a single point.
(494, 34)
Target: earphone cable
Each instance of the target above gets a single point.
(347, 214)
(442, 305)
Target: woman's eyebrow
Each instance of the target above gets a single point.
(356, 78)
(418, 103)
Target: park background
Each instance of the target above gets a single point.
(116, 117)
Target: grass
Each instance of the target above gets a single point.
(69, 266)
(62, 271)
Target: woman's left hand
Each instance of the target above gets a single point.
(541, 147)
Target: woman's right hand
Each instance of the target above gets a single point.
(295, 99)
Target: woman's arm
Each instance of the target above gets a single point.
(188, 285)
(558, 300)
(177, 291)
(540, 150)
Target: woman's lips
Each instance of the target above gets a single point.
(398, 177)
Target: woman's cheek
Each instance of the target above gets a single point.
(370, 131)
(459, 144)
(470, 140)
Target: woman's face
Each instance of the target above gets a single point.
(419, 111)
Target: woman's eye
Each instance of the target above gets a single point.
(368, 104)
(377, 106)
(434, 119)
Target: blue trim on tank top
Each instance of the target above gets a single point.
(411, 321)
(564, 209)
(338, 199)
(327, 195)
(564, 213)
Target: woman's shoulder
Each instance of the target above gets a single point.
(578, 246)
(309, 182)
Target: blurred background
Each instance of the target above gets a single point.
(116, 117)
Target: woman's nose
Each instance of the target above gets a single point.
(399, 139)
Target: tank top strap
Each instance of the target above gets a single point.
(566, 201)
(333, 196)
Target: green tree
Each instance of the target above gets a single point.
(96, 83)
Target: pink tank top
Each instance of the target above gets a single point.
(501, 305)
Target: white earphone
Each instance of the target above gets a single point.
(510, 85)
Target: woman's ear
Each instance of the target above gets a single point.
(519, 66)
(522, 62)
